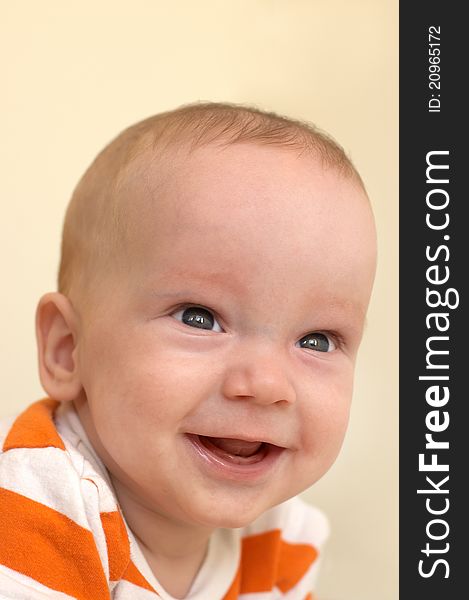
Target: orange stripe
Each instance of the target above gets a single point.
(118, 547)
(49, 547)
(295, 560)
(259, 559)
(268, 561)
(309, 596)
(133, 575)
(34, 428)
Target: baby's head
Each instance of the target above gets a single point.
(217, 264)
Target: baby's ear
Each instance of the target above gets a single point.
(56, 334)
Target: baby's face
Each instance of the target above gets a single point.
(239, 318)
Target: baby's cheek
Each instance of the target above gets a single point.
(325, 417)
(159, 390)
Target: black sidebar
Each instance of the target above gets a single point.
(434, 269)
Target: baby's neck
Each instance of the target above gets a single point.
(176, 575)
(175, 551)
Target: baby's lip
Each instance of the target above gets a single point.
(242, 437)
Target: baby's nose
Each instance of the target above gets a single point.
(261, 376)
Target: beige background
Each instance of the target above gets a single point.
(77, 73)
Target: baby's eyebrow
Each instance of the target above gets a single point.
(178, 294)
(181, 294)
(200, 283)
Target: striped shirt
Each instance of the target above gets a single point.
(63, 535)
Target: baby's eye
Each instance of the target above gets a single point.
(317, 341)
(196, 316)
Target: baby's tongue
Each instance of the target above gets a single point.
(236, 447)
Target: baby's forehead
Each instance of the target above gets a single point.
(239, 200)
(239, 196)
(214, 172)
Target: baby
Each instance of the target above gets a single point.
(217, 264)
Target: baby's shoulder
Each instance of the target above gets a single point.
(43, 470)
(35, 464)
(57, 513)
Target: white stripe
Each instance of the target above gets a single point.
(125, 590)
(275, 594)
(83, 456)
(44, 475)
(300, 522)
(305, 524)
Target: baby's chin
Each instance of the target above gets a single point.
(234, 515)
(233, 519)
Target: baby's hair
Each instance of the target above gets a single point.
(95, 219)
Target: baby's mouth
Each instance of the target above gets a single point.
(234, 450)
